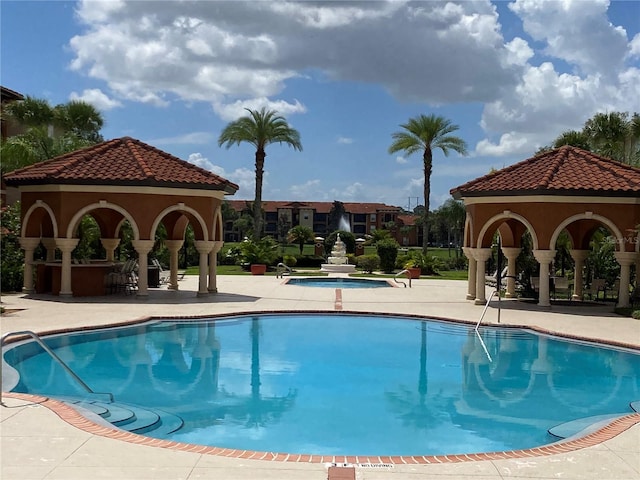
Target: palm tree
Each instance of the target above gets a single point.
(424, 134)
(300, 235)
(49, 131)
(259, 128)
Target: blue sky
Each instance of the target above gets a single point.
(512, 75)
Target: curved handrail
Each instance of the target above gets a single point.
(407, 272)
(280, 273)
(53, 355)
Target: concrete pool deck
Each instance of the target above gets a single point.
(38, 444)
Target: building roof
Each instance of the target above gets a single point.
(318, 207)
(564, 171)
(123, 162)
(10, 95)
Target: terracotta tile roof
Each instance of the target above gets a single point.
(318, 207)
(9, 95)
(563, 171)
(122, 161)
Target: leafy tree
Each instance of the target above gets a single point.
(300, 235)
(50, 131)
(424, 134)
(11, 255)
(260, 128)
(573, 138)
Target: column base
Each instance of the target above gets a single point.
(480, 301)
(202, 294)
(470, 297)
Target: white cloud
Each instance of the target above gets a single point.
(237, 109)
(401, 160)
(305, 191)
(243, 177)
(576, 31)
(345, 140)
(193, 138)
(634, 47)
(97, 98)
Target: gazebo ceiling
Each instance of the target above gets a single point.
(123, 162)
(564, 171)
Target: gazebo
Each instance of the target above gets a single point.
(113, 181)
(566, 189)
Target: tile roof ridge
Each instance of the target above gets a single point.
(558, 157)
(133, 146)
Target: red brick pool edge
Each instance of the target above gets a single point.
(74, 418)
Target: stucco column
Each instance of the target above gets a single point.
(143, 247)
(625, 259)
(66, 246)
(174, 247)
(50, 244)
(471, 273)
(28, 244)
(481, 255)
(512, 254)
(203, 247)
(110, 245)
(544, 258)
(213, 266)
(579, 256)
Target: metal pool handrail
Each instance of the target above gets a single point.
(53, 355)
(280, 273)
(395, 278)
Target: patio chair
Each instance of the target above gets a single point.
(125, 279)
(492, 280)
(597, 286)
(561, 285)
(165, 275)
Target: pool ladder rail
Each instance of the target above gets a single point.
(53, 355)
(403, 272)
(282, 270)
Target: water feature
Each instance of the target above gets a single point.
(338, 261)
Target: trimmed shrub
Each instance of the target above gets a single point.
(387, 251)
(368, 263)
(289, 260)
(636, 314)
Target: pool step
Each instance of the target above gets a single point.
(132, 418)
(583, 426)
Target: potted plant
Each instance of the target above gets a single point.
(414, 264)
(258, 254)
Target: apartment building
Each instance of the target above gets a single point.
(360, 218)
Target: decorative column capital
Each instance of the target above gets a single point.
(468, 252)
(579, 255)
(544, 256)
(626, 258)
(511, 252)
(482, 254)
(203, 246)
(173, 245)
(142, 246)
(110, 243)
(67, 244)
(217, 245)
(29, 243)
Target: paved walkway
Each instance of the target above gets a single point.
(38, 444)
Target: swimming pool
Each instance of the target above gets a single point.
(338, 282)
(337, 384)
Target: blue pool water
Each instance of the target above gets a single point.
(338, 384)
(337, 282)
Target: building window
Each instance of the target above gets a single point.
(359, 217)
(372, 217)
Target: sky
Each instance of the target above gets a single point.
(513, 75)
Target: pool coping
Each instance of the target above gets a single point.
(74, 418)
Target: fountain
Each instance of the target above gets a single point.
(338, 262)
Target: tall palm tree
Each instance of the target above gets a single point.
(425, 134)
(259, 128)
(300, 234)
